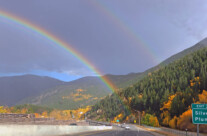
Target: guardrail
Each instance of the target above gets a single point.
(175, 131)
(98, 123)
(180, 132)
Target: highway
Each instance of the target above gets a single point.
(117, 131)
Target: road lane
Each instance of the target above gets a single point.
(117, 131)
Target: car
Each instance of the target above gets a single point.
(123, 125)
(73, 124)
(127, 127)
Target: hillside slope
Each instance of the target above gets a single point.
(13, 89)
(166, 93)
(178, 56)
(185, 52)
(54, 95)
(81, 92)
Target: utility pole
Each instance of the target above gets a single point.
(139, 114)
(139, 118)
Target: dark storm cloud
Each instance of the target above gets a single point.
(98, 36)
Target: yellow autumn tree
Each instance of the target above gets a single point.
(44, 114)
(154, 121)
(24, 111)
(127, 119)
(118, 117)
(185, 121)
(37, 115)
(194, 81)
(53, 114)
(167, 105)
(2, 109)
(67, 114)
(165, 115)
(173, 122)
(203, 97)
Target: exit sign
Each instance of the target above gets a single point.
(199, 113)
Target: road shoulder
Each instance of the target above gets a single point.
(156, 132)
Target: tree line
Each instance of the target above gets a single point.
(166, 93)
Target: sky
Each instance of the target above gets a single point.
(117, 37)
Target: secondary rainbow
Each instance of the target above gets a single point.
(127, 29)
(57, 41)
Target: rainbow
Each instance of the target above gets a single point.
(120, 23)
(57, 41)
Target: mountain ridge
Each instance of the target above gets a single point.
(16, 88)
(92, 84)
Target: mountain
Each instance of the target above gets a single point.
(123, 81)
(51, 92)
(81, 92)
(165, 95)
(177, 56)
(185, 52)
(14, 89)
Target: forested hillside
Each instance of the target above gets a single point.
(15, 88)
(165, 94)
(81, 92)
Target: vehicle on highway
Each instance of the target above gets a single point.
(73, 124)
(127, 127)
(123, 125)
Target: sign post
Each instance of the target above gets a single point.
(199, 115)
(197, 129)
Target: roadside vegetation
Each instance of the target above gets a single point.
(45, 112)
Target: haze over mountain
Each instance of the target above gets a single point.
(13, 89)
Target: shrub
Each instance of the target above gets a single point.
(150, 120)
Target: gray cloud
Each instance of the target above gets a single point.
(23, 52)
(187, 15)
(163, 27)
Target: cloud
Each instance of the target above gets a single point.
(188, 16)
(22, 52)
(162, 26)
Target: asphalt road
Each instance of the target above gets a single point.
(118, 131)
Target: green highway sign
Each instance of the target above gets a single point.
(199, 116)
(199, 106)
(199, 113)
